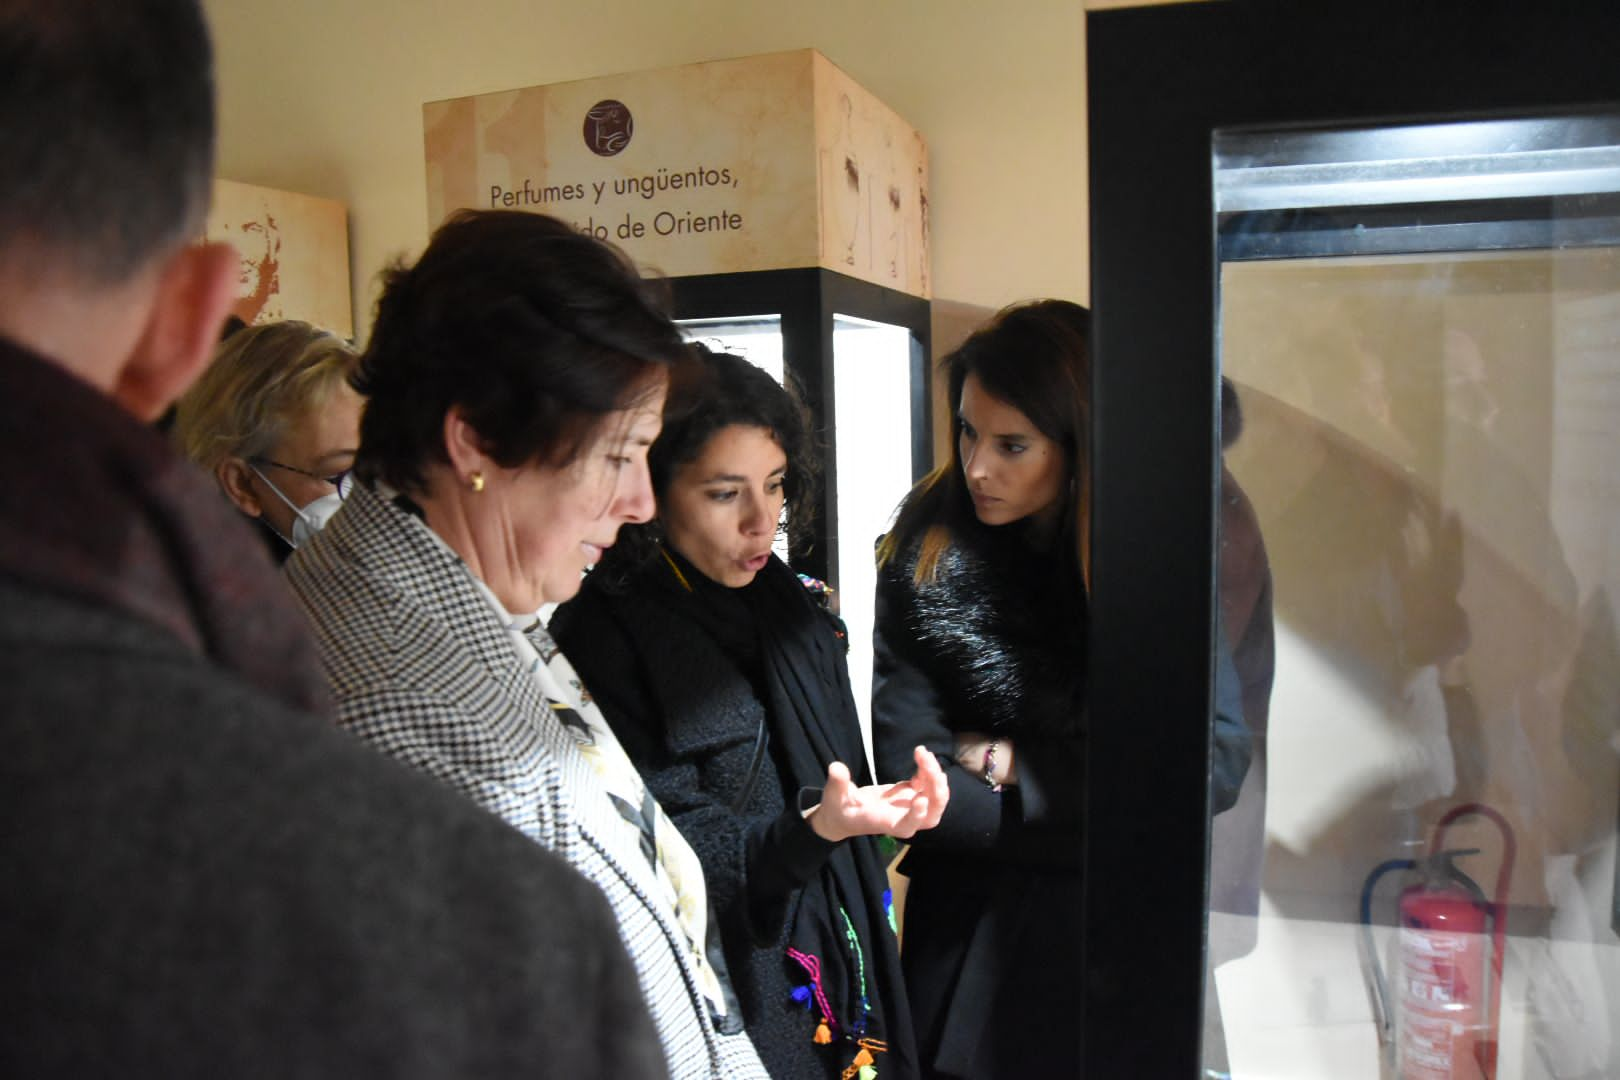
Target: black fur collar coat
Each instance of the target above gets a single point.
(1000, 630)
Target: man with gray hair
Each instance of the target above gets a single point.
(202, 876)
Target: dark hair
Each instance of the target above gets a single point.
(718, 390)
(533, 329)
(108, 115)
(712, 391)
(1036, 357)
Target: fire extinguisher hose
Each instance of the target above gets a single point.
(1385, 1017)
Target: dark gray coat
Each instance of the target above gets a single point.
(200, 882)
(201, 877)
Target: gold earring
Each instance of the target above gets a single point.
(476, 481)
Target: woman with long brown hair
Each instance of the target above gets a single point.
(979, 653)
(980, 648)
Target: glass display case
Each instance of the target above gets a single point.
(1358, 398)
(1420, 325)
(756, 337)
(857, 354)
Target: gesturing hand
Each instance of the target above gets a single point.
(899, 810)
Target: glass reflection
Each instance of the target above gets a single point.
(1430, 443)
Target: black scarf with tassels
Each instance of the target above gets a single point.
(841, 955)
(791, 651)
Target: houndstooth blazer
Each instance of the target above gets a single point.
(422, 668)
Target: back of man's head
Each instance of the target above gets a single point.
(108, 115)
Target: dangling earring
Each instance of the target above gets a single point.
(475, 480)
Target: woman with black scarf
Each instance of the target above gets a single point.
(727, 684)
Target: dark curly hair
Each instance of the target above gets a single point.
(712, 391)
(716, 390)
(533, 329)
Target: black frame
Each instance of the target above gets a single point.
(1162, 81)
(807, 300)
(1481, 224)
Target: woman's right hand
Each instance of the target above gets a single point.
(900, 810)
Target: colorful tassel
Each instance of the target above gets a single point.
(812, 965)
(801, 994)
(864, 1066)
(859, 1025)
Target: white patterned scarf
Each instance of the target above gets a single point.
(674, 863)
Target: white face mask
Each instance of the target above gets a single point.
(308, 519)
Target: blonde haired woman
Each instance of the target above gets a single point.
(276, 422)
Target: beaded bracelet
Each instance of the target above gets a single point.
(989, 774)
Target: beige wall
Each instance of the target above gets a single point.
(324, 97)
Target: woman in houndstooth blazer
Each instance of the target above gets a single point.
(515, 379)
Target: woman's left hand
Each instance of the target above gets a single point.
(990, 758)
(899, 810)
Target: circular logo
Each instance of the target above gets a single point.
(608, 127)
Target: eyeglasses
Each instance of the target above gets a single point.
(343, 481)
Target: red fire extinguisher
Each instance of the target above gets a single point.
(1449, 980)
